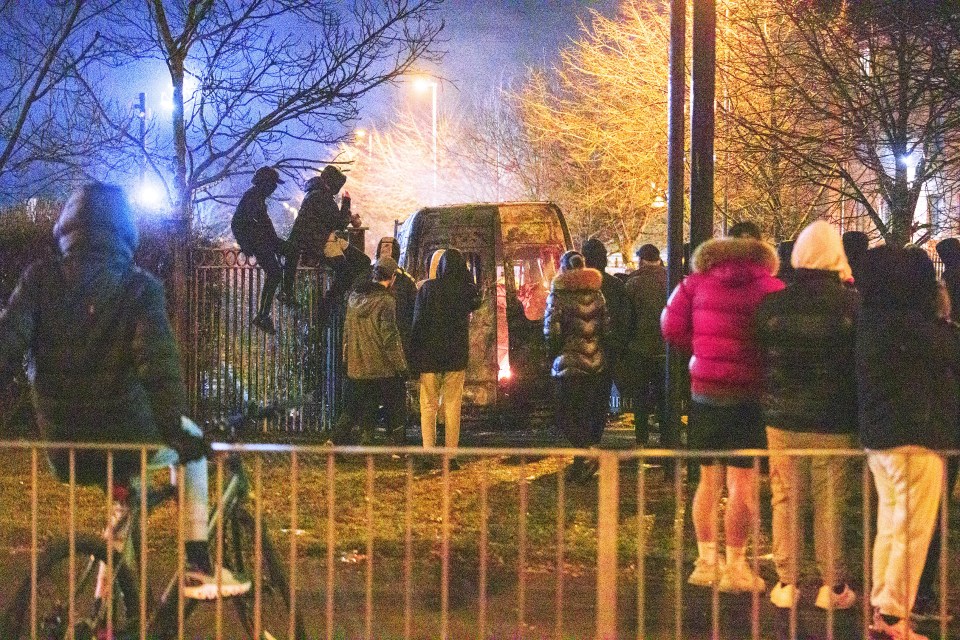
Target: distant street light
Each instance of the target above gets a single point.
(359, 135)
(422, 84)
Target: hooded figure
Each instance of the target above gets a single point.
(949, 252)
(619, 304)
(855, 245)
(404, 288)
(806, 333)
(440, 344)
(784, 251)
(104, 364)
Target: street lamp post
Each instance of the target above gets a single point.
(422, 83)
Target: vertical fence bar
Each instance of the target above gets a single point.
(865, 490)
(484, 544)
(678, 523)
(755, 510)
(143, 543)
(368, 618)
(794, 538)
(294, 526)
(522, 551)
(109, 541)
(944, 556)
(258, 546)
(181, 550)
(218, 570)
(641, 548)
(715, 582)
(34, 516)
(72, 535)
(561, 537)
(608, 493)
(331, 501)
(906, 540)
(408, 555)
(445, 552)
(831, 551)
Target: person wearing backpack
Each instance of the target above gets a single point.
(254, 232)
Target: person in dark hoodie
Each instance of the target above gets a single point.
(404, 288)
(440, 345)
(104, 365)
(784, 251)
(907, 363)
(619, 309)
(855, 245)
(575, 327)
(373, 350)
(949, 252)
(254, 232)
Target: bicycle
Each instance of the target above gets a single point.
(125, 609)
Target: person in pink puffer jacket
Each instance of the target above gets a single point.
(710, 314)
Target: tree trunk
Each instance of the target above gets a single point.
(181, 229)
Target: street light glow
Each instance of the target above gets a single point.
(424, 83)
(149, 195)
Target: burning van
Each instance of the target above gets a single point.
(513, 251)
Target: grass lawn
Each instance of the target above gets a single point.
(504, 477)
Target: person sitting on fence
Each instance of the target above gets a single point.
(710, 314)
(315, 236)
(373, 352)
(806, 333)
(254, 232)
(907, 364)
(104, 365)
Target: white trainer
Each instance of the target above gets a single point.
(784, 596)
(843, 600)
(740, 578)
(200, 585)
(706, 574)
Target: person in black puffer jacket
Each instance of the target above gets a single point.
(907, 363)
(806, 333)
(949, 252)
(440, 344)
(575, 325)
(104, 365)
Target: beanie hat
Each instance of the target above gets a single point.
(384, 268)
(97, 215)
(819, 247)
(648, 253)
(333, 178)
(572, 260)
(595, 254)
(949, 252)
(745, 229)
(266, 175)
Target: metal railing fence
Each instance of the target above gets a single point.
(376, 543)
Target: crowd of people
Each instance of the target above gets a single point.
(825, 345)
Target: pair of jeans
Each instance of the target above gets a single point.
(821, 482)
(445, 387)
(363, 399)
(908, 482)
(582, 405)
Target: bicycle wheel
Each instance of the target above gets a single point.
(238, 556)
(53, 595)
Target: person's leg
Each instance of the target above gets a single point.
(931, 568)
(638, 390)
(452, 393)
(705, 503)
(878, 462)
(830, 477)
(291, 262)
(393, 395)
(267, 260)
(429, 396)
(368, 400)
(787, 489)
(917, 475)
(669, 439)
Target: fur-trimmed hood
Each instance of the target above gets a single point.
(735, 258)
(577, 279)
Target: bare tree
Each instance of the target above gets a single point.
(47, 126)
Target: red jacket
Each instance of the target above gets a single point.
(711, 315)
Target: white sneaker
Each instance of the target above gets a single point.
(843, 600)
(200, 585)
(902, 630)
(706, 574)
(740, 578)
(784, 596)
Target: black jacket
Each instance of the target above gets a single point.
(575, 323)
(252, 226)
(806, 332)
(647, 289)
(440, 335)
(907, 370)
(319, 215)
(621, 313)
(103, 363)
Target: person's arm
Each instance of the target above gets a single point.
(676, 321)
(18, 324)
(158, 369)
(391, 342)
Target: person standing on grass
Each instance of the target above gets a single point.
(806, 332)
(646, 353)
(711, 314)
(104, 366)
(907, 363)
(575, 325)
(373, 350)
(440, 345)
